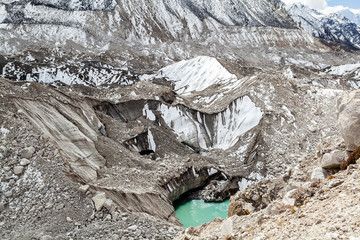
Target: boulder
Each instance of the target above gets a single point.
(99, 200)
(2, 206)
(24, 162)
(318, 173)
(84, 188)
(108, 204)
(8, 194)
(226, 227)
(349, 119)
(18, 170)
(27, 152)
(46, 237)
(333, 159)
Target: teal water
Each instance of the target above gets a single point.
(197, 212)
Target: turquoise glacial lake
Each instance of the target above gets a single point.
(197, 212)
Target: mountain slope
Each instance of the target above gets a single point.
(333, 27)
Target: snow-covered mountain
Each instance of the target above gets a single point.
(351, 14)
(333, 27)
(145, 35)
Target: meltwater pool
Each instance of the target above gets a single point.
(192, 212)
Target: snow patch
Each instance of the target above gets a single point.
(196, 74)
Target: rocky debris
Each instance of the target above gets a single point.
(349, 119)
(27, 152)
(99, 200)
(35, 195)
(333, 159)
(249, 200)
(319, 173)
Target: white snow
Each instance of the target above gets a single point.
(254, 177)
(151, 141)
(148, 113)
(194, 172)
(212, 171)
(4, 131)
(288, 73)
(344, 69)
(196, 74)
(244, 183)
(3, 13)
(235, 121)
(289, 115)
(227, 126)
(30, 58)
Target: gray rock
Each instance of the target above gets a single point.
(335, 183)
(4, 151)
(11, 182)
(46, 237)
(312, 129)
(333, 159)
(18, 170)
(115, 237)
(226, 227)
(6, 169)
(108, 204)
(27, 152)
(60, 206)
(8, 194)
(2, 206)
(24, 162)
(84, 188)
(99, 200)
(68, 219)
(349, 119)
(133, 228)
(318, 173)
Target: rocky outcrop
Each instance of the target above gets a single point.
(349, 119)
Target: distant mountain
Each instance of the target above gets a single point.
(351, 14)
(333, 27)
